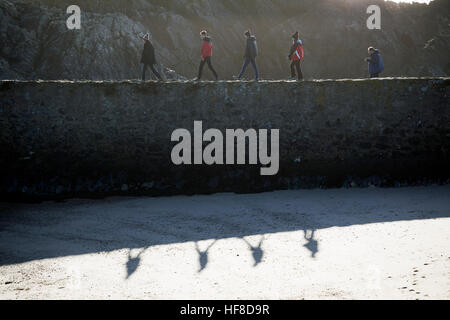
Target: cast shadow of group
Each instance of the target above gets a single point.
(257, 253)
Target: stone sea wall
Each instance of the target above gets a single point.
(62, 138)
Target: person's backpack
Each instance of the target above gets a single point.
(254, 47)
(380, 63)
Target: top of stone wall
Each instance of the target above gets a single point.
(445, 79)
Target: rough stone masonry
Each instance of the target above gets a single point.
(62, 138)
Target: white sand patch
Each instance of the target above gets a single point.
(326, 244)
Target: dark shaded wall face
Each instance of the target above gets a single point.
(414, 39)
(65, 138)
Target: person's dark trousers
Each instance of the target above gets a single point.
(152, 67)
(296, 65)
(375, 75)
(244, 67)
(202, 64)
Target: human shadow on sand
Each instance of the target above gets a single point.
(203, 255)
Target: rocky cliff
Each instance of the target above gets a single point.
(414, 39)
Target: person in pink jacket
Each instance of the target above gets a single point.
(206, 53)
(296, 55)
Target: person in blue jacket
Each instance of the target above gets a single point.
(375, 62)
(251, 51)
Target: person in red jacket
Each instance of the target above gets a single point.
(296, 55)
(206, 55)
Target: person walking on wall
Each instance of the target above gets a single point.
(251, 52)
(206, 54)
(296, 56)
(375, 62)
(148, 57)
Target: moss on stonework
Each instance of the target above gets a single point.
(321, 97)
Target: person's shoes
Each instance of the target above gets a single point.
(293, 78)
(197, 79)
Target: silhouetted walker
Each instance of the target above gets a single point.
(257, 252)
(296, 56)
(375, 62)
(148, 57)
(203, 255)
(206, 53)
(251, 52)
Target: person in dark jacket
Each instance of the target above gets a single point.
(251, 52)
(296, 56)
(206, 54)
(148, 57)
(375, 62)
